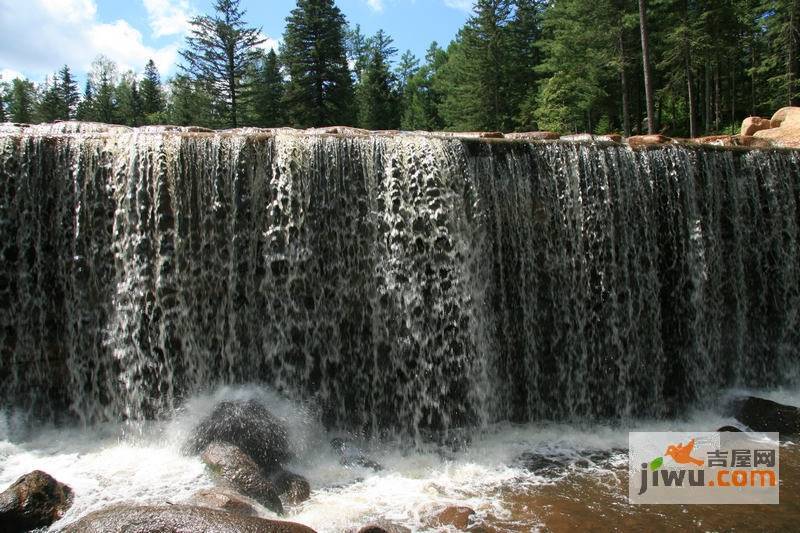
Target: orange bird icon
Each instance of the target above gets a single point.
(683, 454)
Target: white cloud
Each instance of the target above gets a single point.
(375, 5)
(463, 5)
(168, 17)
(8, 74)
(270, 43)
(37, 37)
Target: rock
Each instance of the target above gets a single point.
(729, 429)
(223, 500)
(247, 425)
(238, 471)
(456, 516)
(33, 501)
(383, 526)
(534, 135)
(785, 136)
(177, 519)
(754, 142)
(750, 125)
(294, 488)
(541, 465)
(765, 415)
(491, 135)
(609, 138)
(578, 137)
(351, 455)
(734, 140)
(647, 140)
(782, 115)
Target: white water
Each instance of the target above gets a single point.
(109, 464)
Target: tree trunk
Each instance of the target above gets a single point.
(648, 82)
(707, 112)
(626, 113)
(717, 98)
(690, 95)
(733, 95)
(791, 56)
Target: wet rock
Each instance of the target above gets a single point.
(729, 429)
(223, 500)
(750, 125)
(33, 501)
(764, 415)
(578, 137)
(247, 425)
(351, 455)
(177, 519)
(647, 140)
(456, 516)
(542, 465)
(534, 135)
(237, 470)
(383, 526)
(292, 487)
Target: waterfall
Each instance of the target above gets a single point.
(402, 282)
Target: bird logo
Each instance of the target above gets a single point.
(682, 454)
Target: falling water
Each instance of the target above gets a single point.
(402, 282)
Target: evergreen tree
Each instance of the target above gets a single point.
(130, 106)
(424, 93)
(2, 103)
(267, 92)
(320, 89)
(68, 93)
(49, 106)
(219, 51)
(103, 78)
(190, 103)
(85, 110)
(21, 101)
(151, 92)
(378, 100)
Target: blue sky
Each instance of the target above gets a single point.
(37, 37)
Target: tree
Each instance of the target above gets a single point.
(68, 93)
(219, 50)
(85, 109)
(21, 101)
(103, 77)
(190, 103)
(267, 92)
(2, 103)
(320, 89)
(130, 106)
(378, 99)
(49, 106)
(152, 94)
(648, 79)
(424, 93)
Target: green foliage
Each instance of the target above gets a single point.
(320, 88)
(219, 50)
(423, 94)
(152, 93)
(377, 94)
(266, 97)
(190, 103)
(21, 101)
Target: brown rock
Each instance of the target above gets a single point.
(755, 142)
(578, 137)
(238, 471)
(781, 114)
(292, 487)
(750, 125)
(33, 501)
(610, 137)
(456, 516)
(383, 526)
(785, 136)
(223, 500)
(534, 135)
(647, 140)
(721, 140)
(175, 519)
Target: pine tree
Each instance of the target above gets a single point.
(378, 100)
(21, 101)
(2, 103)
(68, 93)
(267, 92)
(219, 51)
(424, 93)
(103, 78)
(130, 107)
(85, 110)
(49, 106)
(320, 89)
(647, 69)
(152, 95)
(190, 103)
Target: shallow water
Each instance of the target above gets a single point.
(108, 464)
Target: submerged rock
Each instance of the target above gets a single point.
(729, 429)
(351, 455)
(383, 526)
(237, 470)
(33, 501)
(224, 500)
(177, 519)
(292, 487)
(457, 516)
(764, 415)
(249, 426)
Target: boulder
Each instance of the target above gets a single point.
(456, 516)
(33, 501)
(177, 519)
(729, 429)
(247, 425)
(765, 415)
(293, 488)
(223, 500)
(382, 526)
(782, 116)
(238, 471)
(786, 136)
(534, 135)
(750, 125)
(647, 140)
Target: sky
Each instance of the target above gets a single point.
(37, 37)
